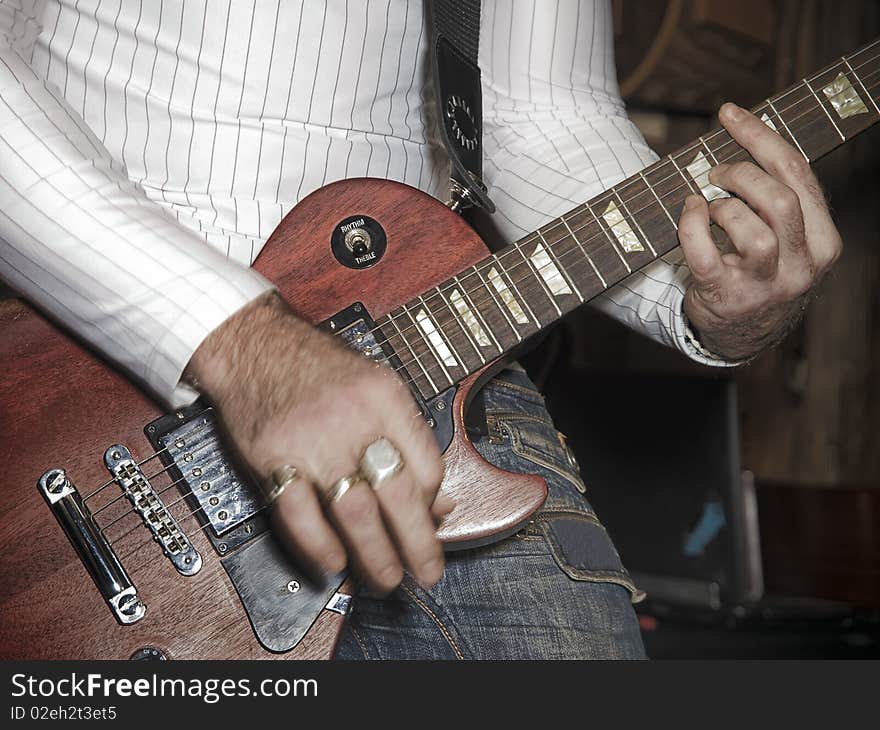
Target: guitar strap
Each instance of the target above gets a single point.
(455, 38)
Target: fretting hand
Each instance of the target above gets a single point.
(783, 234)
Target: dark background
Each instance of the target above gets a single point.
(746, 503)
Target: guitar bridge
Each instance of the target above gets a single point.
(152, 510)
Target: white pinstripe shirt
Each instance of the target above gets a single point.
(149, 147)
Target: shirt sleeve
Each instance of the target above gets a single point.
(556, 134)
(85, 244)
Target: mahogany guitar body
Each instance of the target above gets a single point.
(62, 406)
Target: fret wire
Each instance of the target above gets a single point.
(463, 327)
(541, 283)
(583, 250)
(660, 202)
(447, 339)
(415, 357)
(608, 236)
(858, 78)
(429, 344)
(477, 313)
(685, 177)
(501, 308)
(785, 124)
(505, 275)
(711, 153)
(827, 113)
(560, 267)
(633, 219)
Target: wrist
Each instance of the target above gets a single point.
(220, 358)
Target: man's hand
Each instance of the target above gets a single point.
(289, 394)
(783, 234)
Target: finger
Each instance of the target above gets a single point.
(777, 204)
(358, 520)
(417, 446)
(442, 505)
(301, 523)
(411, 526)
(753, 239)
(700, 251)
(786, 163)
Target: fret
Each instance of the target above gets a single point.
(421, 349)
(845, 100)
(486, 327)
(785, 125)
(455, 360)
(708, 151)
(662, 179)
(862, 84)
(501, 307)
(561, 270)
(420, 325)
(407, 362)
(521, 289)
(827, 113)
(803, 118)
(596, 240)
(659, 202)
(644, 253)
(699, 169)
(584, 251)
(540, 279)
(610, 235)
(684, 177)
(572, 263)
(649, 214)
(463, 325)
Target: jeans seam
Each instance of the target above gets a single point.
(436, 619)
(359, 641)
(513, 386)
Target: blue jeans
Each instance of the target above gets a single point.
(555, 590)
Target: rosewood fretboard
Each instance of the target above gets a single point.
(477, 316)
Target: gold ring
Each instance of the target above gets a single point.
(339, 488)
(277, 482)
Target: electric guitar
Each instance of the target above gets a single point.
(127, 532)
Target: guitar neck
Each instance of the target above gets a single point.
(488, 309)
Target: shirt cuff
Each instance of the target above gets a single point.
(687, 342)
(216, 296)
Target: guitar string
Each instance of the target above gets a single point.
(515, 247)
(124, 493)
(154, 455)
(575, 251)
(435, 365)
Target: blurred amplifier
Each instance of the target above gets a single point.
(660, 457)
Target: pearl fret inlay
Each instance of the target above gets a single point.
(426, 324)
(625, 235)
(507, 297)
(467, 316)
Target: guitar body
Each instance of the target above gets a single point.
(62, 406)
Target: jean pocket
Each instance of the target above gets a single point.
(579, 543)
(536, 440)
